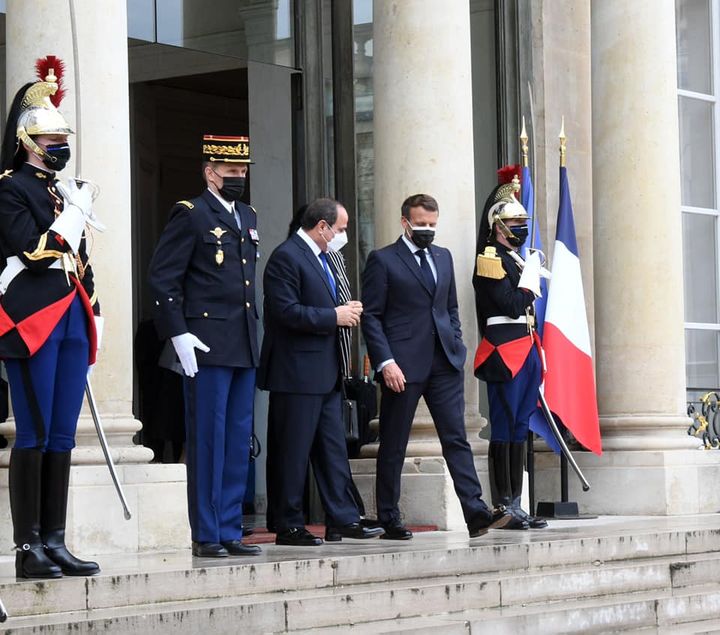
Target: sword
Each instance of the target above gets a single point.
(561, 442)
(105, 449)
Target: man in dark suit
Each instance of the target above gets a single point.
(202, 276)
(413, 335)
(300, 366)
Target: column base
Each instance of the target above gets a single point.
(157, 498)
(119, 429)
(427, 496)
(636, 482)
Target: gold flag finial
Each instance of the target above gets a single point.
(563, 139)
(524, 144)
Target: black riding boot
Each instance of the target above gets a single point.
(25, 478)
(500, 484)
(55, 481)
(517, 465)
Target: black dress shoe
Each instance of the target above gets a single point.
(516, 522)
(237, 548)
(297, 537)
(534, 522)
(209, 550)
(353, 530)
(396, 531)
(482, 522)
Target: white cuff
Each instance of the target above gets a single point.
(385, 363)
(70, 225)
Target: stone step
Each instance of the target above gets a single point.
(694, 610)
(311, 609)
(358, 582)
(176, 577)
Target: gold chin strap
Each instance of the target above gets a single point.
(504, 230)
(25, 138)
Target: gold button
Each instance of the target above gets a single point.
(247, 283)
(247, 304)
(244, 261)
(205, 314)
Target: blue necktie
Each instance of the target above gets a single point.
(331, 277)
(426, 271)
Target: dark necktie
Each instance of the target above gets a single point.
(331, 277)
(427, 273)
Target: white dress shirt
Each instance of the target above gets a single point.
(230, 207)
(312, 244)
(428, 256)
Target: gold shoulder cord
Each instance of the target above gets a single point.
(489, 264)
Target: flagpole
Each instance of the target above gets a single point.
(525, 164)
(530, 453)
(565, 451)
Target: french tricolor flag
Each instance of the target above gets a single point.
(569, 380)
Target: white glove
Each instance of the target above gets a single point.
(530, 278)
(185, 346)
(82, 198)
(99, 324)
(70, 225)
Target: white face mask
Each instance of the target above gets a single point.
(338, 241)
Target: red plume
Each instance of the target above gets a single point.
(42, 68)
(508, 172)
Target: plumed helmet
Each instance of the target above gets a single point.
(501, 205)
(34, 111)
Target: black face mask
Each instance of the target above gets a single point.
(422, 237)
(233, 188)
(57, 157)
(520, 234)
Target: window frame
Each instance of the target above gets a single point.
(714, 98)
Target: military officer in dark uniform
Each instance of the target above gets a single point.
(48, 309)
(202, 276)
(508, 357)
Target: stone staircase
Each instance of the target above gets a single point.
(660, 575)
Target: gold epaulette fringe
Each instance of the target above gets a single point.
(489, 264)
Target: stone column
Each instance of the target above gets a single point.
(640, 355)
(96, 106)
(424, 143)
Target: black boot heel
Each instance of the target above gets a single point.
(31, 562)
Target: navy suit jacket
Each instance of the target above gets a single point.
(402, 318)
(300, 352)
(214, 301)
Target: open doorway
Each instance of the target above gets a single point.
(169, 118)
(176, 96)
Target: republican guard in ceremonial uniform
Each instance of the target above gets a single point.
(202, 276)
(508, 357)
(48, 314)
